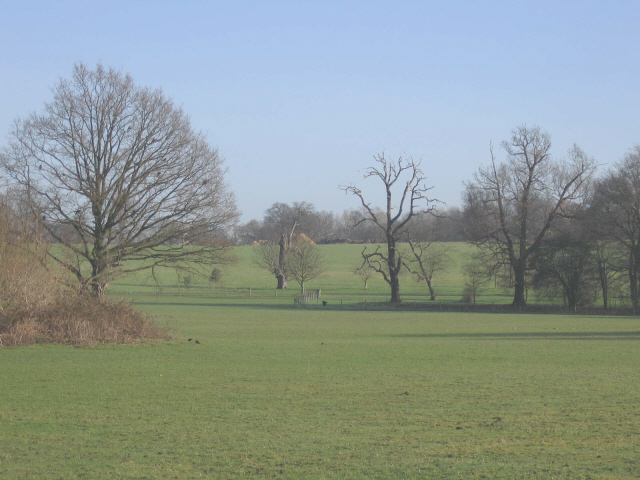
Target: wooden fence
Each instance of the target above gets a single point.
(304, 299)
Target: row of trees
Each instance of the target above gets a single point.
(554, 225)
(327, 227)
(536, 221)
(511, 208)
(115, 175)
(283, 232)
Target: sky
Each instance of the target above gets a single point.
(299, 96)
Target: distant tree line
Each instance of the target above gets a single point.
(347, 227)
(116, 177)
(541, 224)
(553, 226)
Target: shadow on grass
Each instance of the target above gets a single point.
(555, 335)
(233, 305)
(277, 304)
(334, 306)
(330, 308)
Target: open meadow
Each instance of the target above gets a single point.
(273, 391)
(338, 281)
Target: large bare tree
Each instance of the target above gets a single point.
(403, 178)
(510, 207)
(615, 215)
(120, 168)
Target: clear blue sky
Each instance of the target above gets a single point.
(298, 96)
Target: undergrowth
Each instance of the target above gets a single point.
(74, 319)
(36, 308)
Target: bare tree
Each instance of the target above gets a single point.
(615, 210)
(413, 201)
(320, 227)
(609, 266)
(249, 233)
(607, 254)
(364, 272)
(476, 277)
(427, 260)
(121, 167)
(564, 267)
(280, 223)
(445, 226)
(306, 262)
(353, 229)
(510, 207)
(267, 257)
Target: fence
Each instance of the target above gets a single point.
(618, 305)
(306, 298)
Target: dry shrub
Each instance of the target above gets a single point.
(80, 320)
(25, 286)
(22, 332)
(34, 307)
(84, 320)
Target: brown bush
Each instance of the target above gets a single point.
(35, 307)
(75, 319)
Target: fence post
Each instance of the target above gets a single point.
(249, 291)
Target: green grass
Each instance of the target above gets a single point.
(335, 393)
(338, 282)
(277, 392)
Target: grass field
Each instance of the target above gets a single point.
(338, 282)
(276, 392)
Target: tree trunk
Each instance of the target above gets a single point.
(98, 268)
(282, 263)
(282, 282)
(633, 277)
(519, 295)
(395, 288)
(633, 289)
(394, 269)
(572, 301)
(96, 290)
(604, 285)
(432, 292)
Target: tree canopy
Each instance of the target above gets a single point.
(115, 173)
